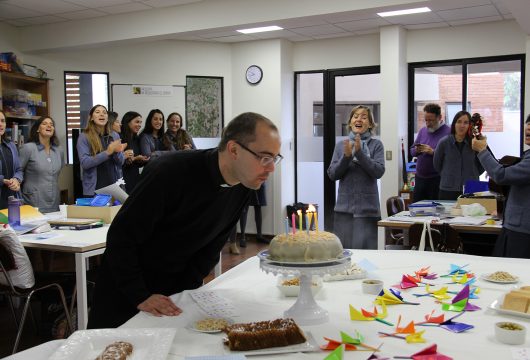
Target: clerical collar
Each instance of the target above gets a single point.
(226, 185)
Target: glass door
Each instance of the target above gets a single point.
(324, 101)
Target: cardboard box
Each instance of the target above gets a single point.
(105, 213)
(489, 203)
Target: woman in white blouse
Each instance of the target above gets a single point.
(42, 159)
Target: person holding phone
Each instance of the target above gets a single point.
(427, 178)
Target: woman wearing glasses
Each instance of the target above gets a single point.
(357, 163)
(151, 138)
(100, 152)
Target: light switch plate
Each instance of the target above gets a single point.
(389, 154)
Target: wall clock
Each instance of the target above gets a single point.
(254, 74)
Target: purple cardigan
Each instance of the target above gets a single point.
(424, 165)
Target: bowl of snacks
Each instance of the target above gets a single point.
(290, 285)
(500, 277)
(510, 333)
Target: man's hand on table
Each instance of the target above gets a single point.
(159, 305)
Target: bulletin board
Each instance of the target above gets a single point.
(142, 98)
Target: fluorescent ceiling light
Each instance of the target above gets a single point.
(404, 12)
(260, 29)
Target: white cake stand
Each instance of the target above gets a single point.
(305, 310)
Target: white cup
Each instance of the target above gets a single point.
(372, 286)
(62, 208)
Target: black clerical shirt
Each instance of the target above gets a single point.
(167, 236)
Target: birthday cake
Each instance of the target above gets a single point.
(305, 247)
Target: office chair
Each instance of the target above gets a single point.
(395, 204)
(7, 263)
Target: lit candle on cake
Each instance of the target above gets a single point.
(307, 223)
(300, 219)
(312, 210)
(294, 222)
(286, 225)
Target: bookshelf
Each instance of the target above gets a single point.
(24, 99)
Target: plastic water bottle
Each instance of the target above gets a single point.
(13, 211)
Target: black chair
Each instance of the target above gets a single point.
(7, 263)
(394, 205)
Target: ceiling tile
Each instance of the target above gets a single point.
(456, 4)
(350, 16)
(233, 39)
(422, 18)
(46, 19)
(318, 30)
(468, 13)
(125, 8)
(362, 24)
(166, 3)
(330, 36)
(300, 22)
(217, 34)
(502, 8)
(475, 21)
(47, 6)
(83, 14)
(275, 34)
(94, 4)
(367, 32)
(14, 12)
(426, 26)
(16, 22)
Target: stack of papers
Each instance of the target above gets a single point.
(468, 220)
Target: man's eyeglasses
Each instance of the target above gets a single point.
(265, 160)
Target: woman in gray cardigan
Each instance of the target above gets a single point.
(357, 163)
(455, 160)
(42, 159)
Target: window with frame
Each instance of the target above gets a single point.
(82, 90)
(491, 86)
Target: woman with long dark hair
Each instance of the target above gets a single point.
(175, 135)
(455, 160)
(134, 160)
(42, 159)
(151, 138)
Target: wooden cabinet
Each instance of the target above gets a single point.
(23, 99)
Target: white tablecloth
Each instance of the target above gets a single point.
(255, 297)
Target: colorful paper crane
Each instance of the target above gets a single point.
(350, 343)
(429, 353)
(336, 354)
(461, 302)
(455, 269)
(465, 279)
(424, 273)
(408, 281)
(431, 319)
(440, 294)
(391, 297)
(411, 336)
(455, 327)
(473, 291)
(365, 315)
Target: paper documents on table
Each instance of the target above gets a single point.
(468, 220)
(405, 217)
(115, 191)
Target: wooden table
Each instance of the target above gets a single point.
(83, 244)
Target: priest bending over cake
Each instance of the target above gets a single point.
(168, 234)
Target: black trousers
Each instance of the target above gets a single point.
(426, 188)
(512, 244)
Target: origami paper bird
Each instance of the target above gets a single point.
(461, 302)
(411, 338)
(431, 319)
(365, 315)
(391, 297)
(336, 354)
(429, 353)
(440, 294)
(350, 343)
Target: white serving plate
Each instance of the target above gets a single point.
(153, 344)
(294, 290)
(309, 346)
(496, 305)
(485, 277)
(264, 255)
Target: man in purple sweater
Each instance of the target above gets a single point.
(427, 179)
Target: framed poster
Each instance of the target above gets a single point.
(204, 106)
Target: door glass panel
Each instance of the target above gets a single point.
(351, 91)
(494, 91)
(309, 132)
(441, 85)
